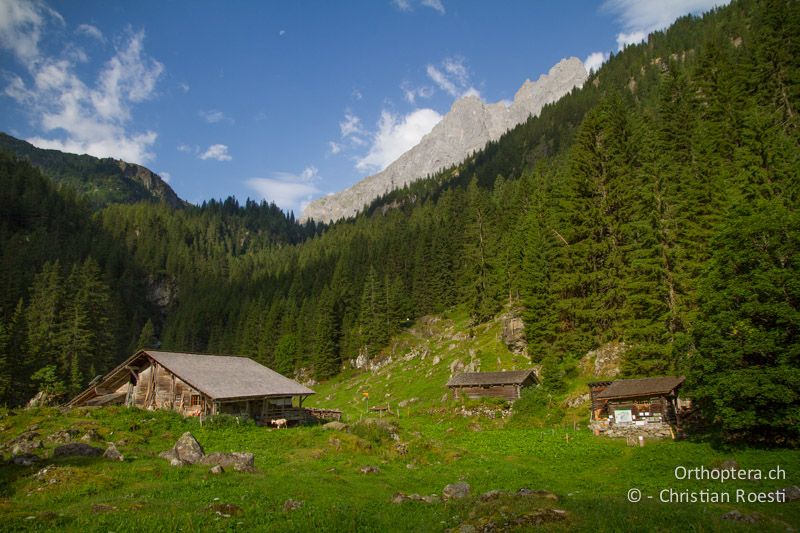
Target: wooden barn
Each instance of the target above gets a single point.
(635, 402)
(505, 385)
(194, 384)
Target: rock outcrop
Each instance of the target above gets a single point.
(468, 126)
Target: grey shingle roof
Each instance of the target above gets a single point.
(629, 388)
(469, 379)
(227, 377)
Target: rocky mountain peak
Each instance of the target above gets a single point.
(466, 128)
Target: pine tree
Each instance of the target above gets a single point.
(43, 318)
(326, 358)
(481, 288)
(147, 337)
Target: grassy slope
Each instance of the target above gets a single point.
(591, 476)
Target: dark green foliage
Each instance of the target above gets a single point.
(147, 338)
(747, 366)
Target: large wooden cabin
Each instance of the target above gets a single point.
(194, 384)
(505, 385)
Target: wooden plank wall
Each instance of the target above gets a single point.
(507, 392)
(160, 389)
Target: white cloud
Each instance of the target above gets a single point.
(334, 147)
(309, 174)
(441, 80)
(218, 152)
(406, 5)
(183, 86)
(395, 136)
(127, 77)
(627, 39)
(281, 33)
(452, 76)
(594, 60)
(436, 5)
(212, 116)
(185, 148)
(87, 119)
(640, 17)
(91, 31)
(355, 94)
(166, 176)
(411, 93)
(351, 125)
(21, 25)
(402, 5)
(289, 191)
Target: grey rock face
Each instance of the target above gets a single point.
(468, 126)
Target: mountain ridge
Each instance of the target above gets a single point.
(103, 180)
(465, 129)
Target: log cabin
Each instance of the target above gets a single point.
(505, 385)
(199, 384)
(637, 404)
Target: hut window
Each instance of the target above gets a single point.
(195, 399)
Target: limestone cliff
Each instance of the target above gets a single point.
(468, 126)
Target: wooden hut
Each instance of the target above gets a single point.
(195, 384)
(640, 403)
(505, 385)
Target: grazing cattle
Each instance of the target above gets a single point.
(279, 423)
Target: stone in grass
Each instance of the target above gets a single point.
(91, 435)
(292, 505)
(335, 426)
(113, 453)
(26, 459)
(491, 495)
(26, 443)
(239, 461)
(216, 469)
(64, 436)
(186, 449)
(736, 516)
(537, 493)
(369, 469)
(77, 449)
(176, 462)
(791, 494)
(456, 491)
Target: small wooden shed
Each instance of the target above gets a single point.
(195, 384)
(636, 402)
(505, 385)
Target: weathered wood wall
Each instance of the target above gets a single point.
(507, 392)
(158, 388)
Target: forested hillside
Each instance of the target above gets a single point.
(656, 206)
(100, 181)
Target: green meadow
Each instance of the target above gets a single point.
(417, 449)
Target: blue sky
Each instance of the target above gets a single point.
(281, 100)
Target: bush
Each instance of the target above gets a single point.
(537, 406)
(221, 421)
(374, 430)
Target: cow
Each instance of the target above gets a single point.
(279, 423)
